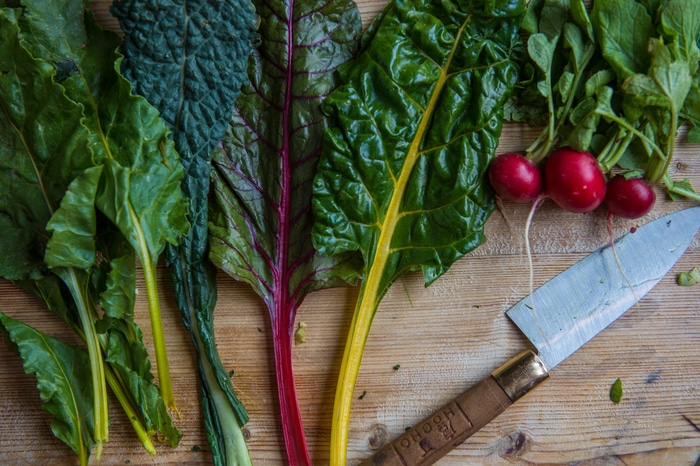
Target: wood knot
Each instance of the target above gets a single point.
(514, 445)
(377, 436)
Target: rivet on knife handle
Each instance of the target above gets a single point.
(436, 435)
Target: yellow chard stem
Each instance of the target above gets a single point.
(370, 291)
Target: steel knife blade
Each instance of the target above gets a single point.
(558, 318)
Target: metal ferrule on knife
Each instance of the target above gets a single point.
(520, 375)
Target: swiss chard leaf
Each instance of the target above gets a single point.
(65, 393)
(190, 62)
(58, 125)
(401, 177)
(261, 218)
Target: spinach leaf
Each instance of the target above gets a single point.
(190, 62)
(261, 211)
(401, 176)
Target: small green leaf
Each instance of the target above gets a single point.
(616, 391)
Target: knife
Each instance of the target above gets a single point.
(558, 318)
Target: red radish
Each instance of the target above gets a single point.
(629, 197)
(515, 178)
(574, 180)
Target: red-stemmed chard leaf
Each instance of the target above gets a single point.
(260, 218)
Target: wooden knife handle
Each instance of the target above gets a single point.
(436, 435)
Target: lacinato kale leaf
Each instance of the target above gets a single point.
(415, 124)
(189, 60)
(261, 211)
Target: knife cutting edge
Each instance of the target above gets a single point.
(569, 310)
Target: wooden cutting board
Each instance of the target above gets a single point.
(442, 339)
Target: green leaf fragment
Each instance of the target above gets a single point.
(689, 278)
(616, 391)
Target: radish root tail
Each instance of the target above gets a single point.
(528, 251)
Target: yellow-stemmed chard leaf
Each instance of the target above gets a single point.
(401, 176)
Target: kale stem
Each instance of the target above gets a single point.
(219, 405)
(97, 371)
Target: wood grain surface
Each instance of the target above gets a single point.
(444, 338)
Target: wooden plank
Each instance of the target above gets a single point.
(444, 338)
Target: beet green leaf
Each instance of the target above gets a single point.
(139, 187)
(401, 177)
(189, 61)
(66, 395)
(260, 219)
(59, 143)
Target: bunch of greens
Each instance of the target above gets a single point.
(618, 82)
(416, 123)
(88, 176)
(190, 63)
(260, 223)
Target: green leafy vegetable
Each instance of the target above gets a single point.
(618, 83)
(616, 391)
(66, 395)
(689, 278)
(75, 142)
(190, 63)
(401, 177)
(260, 223)
(139, 189)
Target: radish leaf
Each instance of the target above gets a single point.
(260, 217)
(401, 177)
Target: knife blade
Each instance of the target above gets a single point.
(558, 318)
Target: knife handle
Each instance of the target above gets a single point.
(449, 426)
